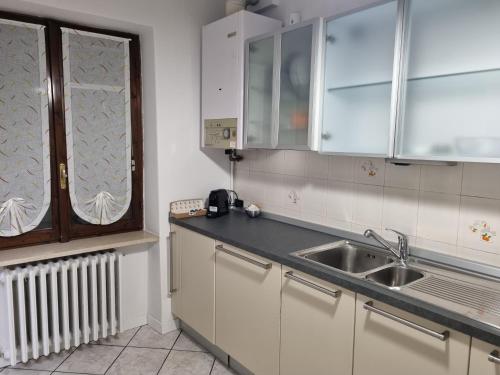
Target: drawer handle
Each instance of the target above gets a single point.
(443, 336)
(494, 357)
(172, 289)
(333, 293)
(265, 266)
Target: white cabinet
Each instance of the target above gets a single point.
(282, 88)
(450, 90)
(193, 280)
(414, 79)
(248, 309)
(223, 68)
(390, 341)
(317, 326)
(358, 82)
(484, 359)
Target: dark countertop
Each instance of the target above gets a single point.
(275, 240)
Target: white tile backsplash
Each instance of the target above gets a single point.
(480, 224)
(438, 217)
(259, 161)
(368, 202)
(441, 179)
(316, 165)
(369, 171)
(293, 186)
(406, 177)
(479, 256)
(294, 163)
(448, 209)
(314, 197)
(340, 201)
(341, 168)
(275, 161)
(400, 210)
(481, 180)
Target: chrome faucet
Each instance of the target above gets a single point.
(401, 252)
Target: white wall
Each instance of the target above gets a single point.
(175, 168)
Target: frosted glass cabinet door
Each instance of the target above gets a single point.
(259, 110)
(359, 59)
(295, 84)
(450, 110)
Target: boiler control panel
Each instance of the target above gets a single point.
(220, 133)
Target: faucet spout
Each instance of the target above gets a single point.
(401, 252)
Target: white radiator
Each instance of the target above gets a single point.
(52, 306)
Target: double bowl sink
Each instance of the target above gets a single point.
(363, 261)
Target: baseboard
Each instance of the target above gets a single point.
(156, 324)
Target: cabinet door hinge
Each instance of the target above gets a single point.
(132, 163)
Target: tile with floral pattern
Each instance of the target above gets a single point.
(484, 230)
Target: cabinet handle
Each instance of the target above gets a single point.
(443, 336)
(494, 357)
(333, 293)
(63, 176)
(172, 290)
(265, 266)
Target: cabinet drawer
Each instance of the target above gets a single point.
(484, 359)
(317, 326)
(248, 308)
(390, 341)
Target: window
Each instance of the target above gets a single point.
(70, 131)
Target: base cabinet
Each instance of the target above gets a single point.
(248, 309)
(193, 295)
(317, 326)
(484, 359)
(388, 341)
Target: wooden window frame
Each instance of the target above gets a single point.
(63, 227)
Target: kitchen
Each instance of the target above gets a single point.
(234, 216)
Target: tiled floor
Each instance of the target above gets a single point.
(140, 351)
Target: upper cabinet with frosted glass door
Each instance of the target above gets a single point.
(360, 81)
(259, 106)
(281, 85)
(449, 109)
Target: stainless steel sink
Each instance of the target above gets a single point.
(347, 256)
(395, 276)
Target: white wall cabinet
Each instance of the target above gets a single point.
(358, 82)
(449, 98)
(388, 341)
(317, 326)
(282, 88)
(223, 65)
(413, 79)
(248, 309)
(484, 359)
(193, 281)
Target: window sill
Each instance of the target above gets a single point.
(37, 253)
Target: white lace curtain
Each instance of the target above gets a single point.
(98, 128)
(25, 181)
